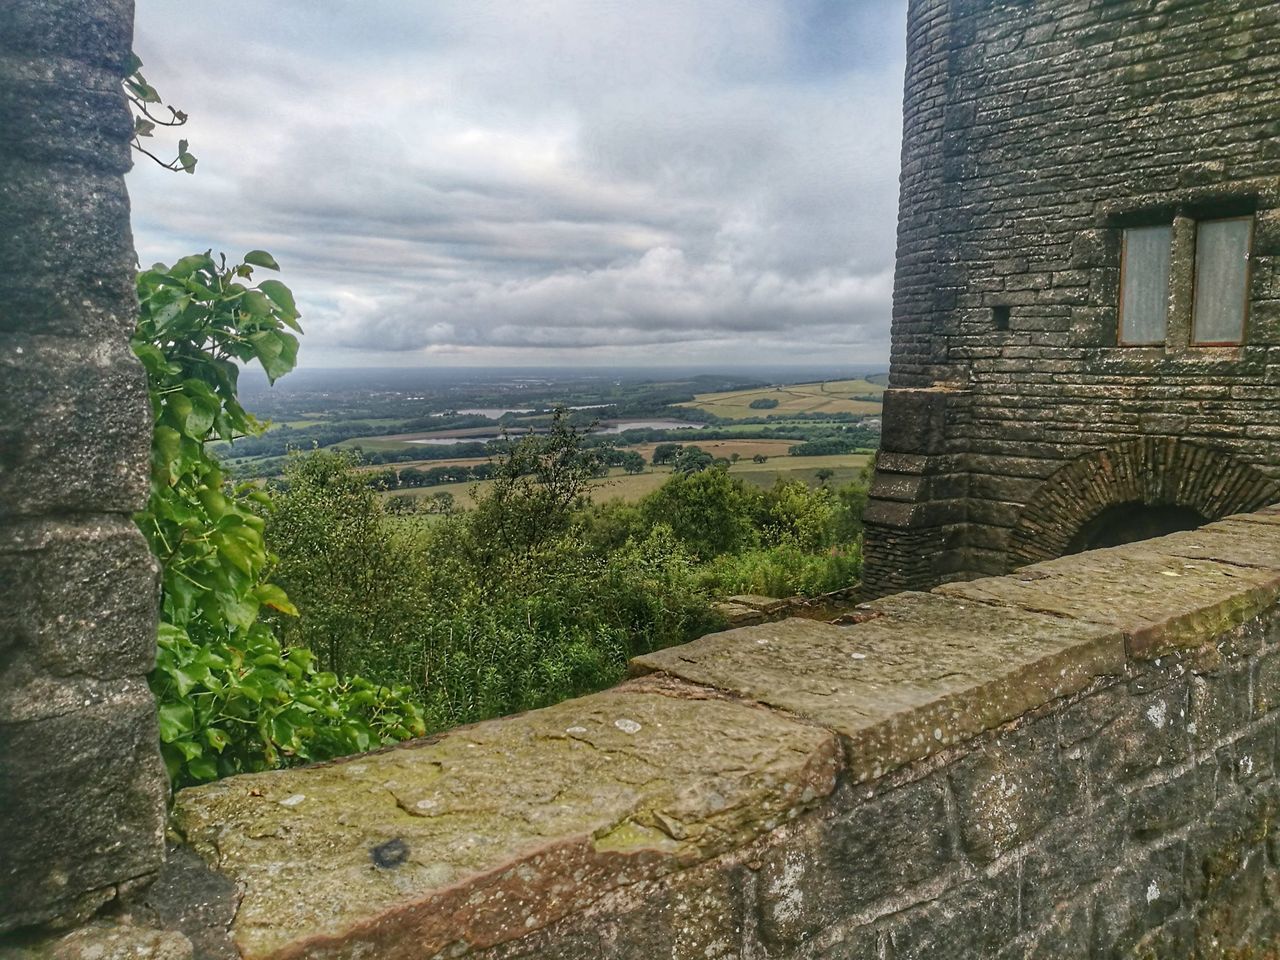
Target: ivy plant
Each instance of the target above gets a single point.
(231, 699)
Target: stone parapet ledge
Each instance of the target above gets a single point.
(705, 772)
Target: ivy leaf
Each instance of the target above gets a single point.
(166, 450)
(272, 596)
(260, 258)
(176, 719)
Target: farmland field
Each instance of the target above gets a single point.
(831, 396)
(619, 485)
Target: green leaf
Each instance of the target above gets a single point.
(260, 258)
(272, 596)
(176, 720)
(204, 768)
(280, 295)
(257, 304)
(166, 450)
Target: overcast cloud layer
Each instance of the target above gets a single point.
(534, 183)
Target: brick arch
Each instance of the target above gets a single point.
(1156, 471)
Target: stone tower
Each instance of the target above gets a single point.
(1086, 320)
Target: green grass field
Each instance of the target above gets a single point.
(830, 396)
(621, 486)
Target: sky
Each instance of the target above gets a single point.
(542, 182)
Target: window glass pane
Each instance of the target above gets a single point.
(1222, 280)
(1144, 299)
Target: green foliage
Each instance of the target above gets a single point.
(666, 452)
(828, 447)
(785, 570)
(709, 511)
(692, 460)
(143, 98)
(505, 608)
(538, 485)
(763, 403)
(632, 462)
(794, 514)
(230, 699)
(340, 563)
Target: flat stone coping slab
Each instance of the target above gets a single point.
(497, 829)
(1162, 594)
(922, 672)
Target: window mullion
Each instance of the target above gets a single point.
(1182, 268)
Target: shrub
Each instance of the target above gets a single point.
(781, 571)
(710, 512)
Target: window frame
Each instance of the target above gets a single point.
(1184, 226)
(1124, 261)
(1192, 342)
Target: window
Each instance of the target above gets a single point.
(1221, 281)
(1144, 285)
(1185, 284)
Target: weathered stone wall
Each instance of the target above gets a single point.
(1075, 761)
(82, 787)
(1035, 130)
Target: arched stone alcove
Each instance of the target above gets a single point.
(1141, 488)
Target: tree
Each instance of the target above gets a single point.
(666, 452)
(337, 560)
(709, 511)
(692, 460)
(438, 503)
(402, 504)
(824, 474)
(759, 458)
(538, 484)
(735, 457)
(632, 462)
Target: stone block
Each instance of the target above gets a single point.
(922, 674)
(1159, 808)
(1010, 788)
(82, 796)
(94, 31)
(915, 421)
(82, 601)
(74, 427)
(1071, 858)
(67, 267)
(56, 109)
(105, 940)
(975, 920)
(1139, 734)
(863, 848)
(1141, 897)
(503, 828)
(693, 918)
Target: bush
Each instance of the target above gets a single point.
(781, 571)
(710, 512)
(792, 513)
(763, 403)
(506, 608)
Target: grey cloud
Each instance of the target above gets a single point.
(544, 180)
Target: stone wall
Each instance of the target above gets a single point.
(1075, 761)
(1035, 131)
(82, 787)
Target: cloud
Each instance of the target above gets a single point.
(546, 181)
